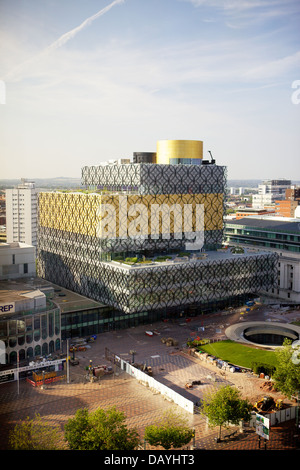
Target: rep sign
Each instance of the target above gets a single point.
(7, 307)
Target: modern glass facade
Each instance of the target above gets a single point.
(31, 333)
(97, 321)
(264, 234)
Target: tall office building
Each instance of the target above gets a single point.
(146, 238)
(21, 213)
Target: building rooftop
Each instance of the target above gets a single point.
(203, 257)
(15, 245)
(283, 224)
(14, 290)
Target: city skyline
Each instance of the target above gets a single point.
(87, 82)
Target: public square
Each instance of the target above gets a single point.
(171, 365)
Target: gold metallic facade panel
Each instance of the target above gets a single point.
(178, 149)
(70, 212)
(84, 213)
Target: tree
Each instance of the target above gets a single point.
(287, 374)
(100, 430)
(225, 406)
(35, 434)
(171, 431)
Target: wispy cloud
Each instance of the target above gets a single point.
(257, 10)
(72, 33)
(16, 73)
(275, 68)
(241, 5)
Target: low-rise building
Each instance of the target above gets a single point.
(279, 235)
(286, 208)
(30, 323)
(17, 260)
(249, 211)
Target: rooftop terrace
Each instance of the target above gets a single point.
(186, 258)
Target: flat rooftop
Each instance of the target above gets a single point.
(269, 223)
(68, 301)
(203, 257)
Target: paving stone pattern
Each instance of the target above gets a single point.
(58, 402)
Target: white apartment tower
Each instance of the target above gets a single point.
(21, 213)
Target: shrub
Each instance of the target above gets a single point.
(262, 367)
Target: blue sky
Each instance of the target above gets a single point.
(87, 81)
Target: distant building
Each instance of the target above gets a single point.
(2, 209)
(16, 260)
(280, 235)
(293, 193)
(269, 192)
(237, 191)
(21, 213)
(233, 191)
(241, 213)
(288, 206)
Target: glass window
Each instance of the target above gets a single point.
(185, 161)
(44, 326)
(12, 327)
(37, 335)
(36, 322)
(21, 326)
(57, 322)
(29, 352)
(51, 323)
(13, 357)
(3, 329)
(44, 349)
(29, 337)
(12, 341)
(28, 323)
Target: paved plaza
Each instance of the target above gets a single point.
(141, 405)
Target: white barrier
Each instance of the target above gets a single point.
(277, 417)
(281, 416)
(184, 403)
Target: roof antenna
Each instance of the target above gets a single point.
(212, 160)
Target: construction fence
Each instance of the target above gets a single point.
(150, 382)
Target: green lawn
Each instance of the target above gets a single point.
(239, 354)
